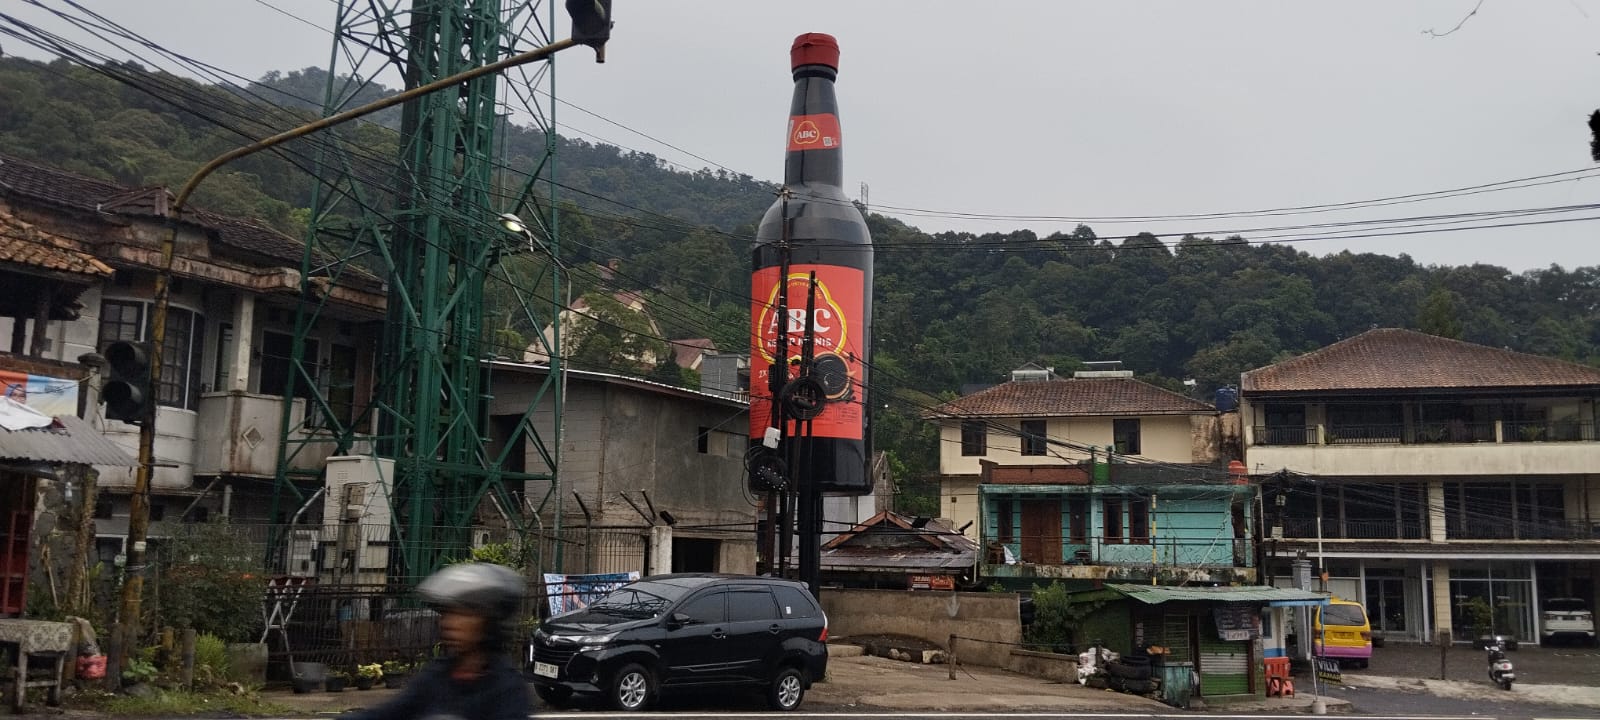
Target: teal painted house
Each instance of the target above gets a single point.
(1104, 478)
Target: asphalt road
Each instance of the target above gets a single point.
(1517, 705)
(1539, 665)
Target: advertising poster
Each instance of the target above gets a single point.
(48, 395)
(836, 320)
(574, 592)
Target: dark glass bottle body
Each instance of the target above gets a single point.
(827, 235)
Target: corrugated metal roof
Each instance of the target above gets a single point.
(1157, 594)
(69, 440)
(896, 558)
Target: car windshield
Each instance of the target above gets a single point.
(639, 600)
(1565, 605)
(1346, 615)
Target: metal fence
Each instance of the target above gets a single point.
(342, 595)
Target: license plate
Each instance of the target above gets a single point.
(545, 670)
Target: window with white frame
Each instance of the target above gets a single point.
(179, 384)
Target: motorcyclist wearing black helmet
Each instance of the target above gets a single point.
(477, 603)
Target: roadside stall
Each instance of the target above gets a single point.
(1208, 641)
(36, 446)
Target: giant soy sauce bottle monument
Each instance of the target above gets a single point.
(814, 229)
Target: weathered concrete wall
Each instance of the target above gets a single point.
(1052, 666)
(931, 616)
(623, 441)
(1216, 438)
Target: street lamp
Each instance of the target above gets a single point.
(515, 226)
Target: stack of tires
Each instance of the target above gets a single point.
(1131, 674)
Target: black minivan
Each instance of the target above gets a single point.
(685, 632)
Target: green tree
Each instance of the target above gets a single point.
(608, 335)
(1437, 316)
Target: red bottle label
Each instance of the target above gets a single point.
(837, 328)
(814, 132)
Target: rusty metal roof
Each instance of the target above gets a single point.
(69, 440)
(860, 558)
(891, 541)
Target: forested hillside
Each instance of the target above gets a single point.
(951, 308)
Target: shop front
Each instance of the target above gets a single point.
(1218, 631)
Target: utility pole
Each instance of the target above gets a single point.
(591, 26)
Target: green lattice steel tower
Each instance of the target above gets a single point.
(431, 229)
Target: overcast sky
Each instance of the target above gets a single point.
(1076, 109)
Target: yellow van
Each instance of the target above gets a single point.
(1340, 631)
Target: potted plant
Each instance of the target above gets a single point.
(368, 675)
(395, 672)
(336, 681)
(1480, 617)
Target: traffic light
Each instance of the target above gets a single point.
(127, 392)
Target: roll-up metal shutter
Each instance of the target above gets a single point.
(1224, 665)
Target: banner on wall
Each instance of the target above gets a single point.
(574, 592)
(48, 395)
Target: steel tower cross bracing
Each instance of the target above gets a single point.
(431, 230)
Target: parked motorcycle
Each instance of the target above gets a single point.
(1500, 670)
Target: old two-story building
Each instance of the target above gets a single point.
(229, 338)
(1096, 477)
(645, 467)
(1446, 485)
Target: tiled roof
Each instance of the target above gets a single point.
(1078, 397)
(1398, 359)
(44, 184)
(23, 244)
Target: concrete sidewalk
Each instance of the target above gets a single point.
(874, 683)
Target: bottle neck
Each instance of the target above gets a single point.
(815, 144)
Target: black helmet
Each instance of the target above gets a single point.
(493, 591)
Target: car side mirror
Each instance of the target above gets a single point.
(678, 620)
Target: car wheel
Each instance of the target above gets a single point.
(632, 688)
(553, 695)
(787, 690)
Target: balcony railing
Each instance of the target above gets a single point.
(1430, 433)
(1525, 530)
(1306, 528)
(1353, 529)
(1542, 431)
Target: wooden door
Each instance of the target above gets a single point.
(1041, 532)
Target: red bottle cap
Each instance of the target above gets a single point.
(814, 49)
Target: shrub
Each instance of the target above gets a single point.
(140, 671)
(211, 582)
(1056, 621)
(211, 652)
